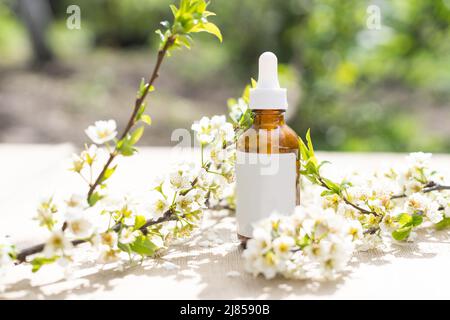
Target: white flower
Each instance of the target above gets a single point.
(80, 227)
(102, 131)
(180, 179)
(45, 212)
(128, 235)
(355, 230)
(238, 109)
(91, 153)
(216, 129)
(75, 205)
(109, 255)
(283, 246)
(186, 203)
(109, 239)
(77, 163)
(199, 196)
(57, 244)
(159, 205)
(433, 213)
(267, 265)
(204, 130)
(412, 186)
(416, 203)
(369, 242)
(261, 241)
(388, 225)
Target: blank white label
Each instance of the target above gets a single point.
(265, 183)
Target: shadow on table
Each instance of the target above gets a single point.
(209, 270)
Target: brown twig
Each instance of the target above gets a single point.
(429, 187)
(362, 210)
(167, 216)
(138, 103)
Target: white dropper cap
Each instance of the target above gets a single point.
(268, 94)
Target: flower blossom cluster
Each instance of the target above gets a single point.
(309, 243)
(369, 211)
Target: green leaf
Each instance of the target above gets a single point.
(146, 119)
(184, 40)
(143, 246)
(125, 148)
(213, 29)
(174, 10)
(108, 173)
(443, 224)
(303, 150)
(142, 87)
(136, 135)
(309, 141)
(416, 220)
(401, 233)
(124, 247)
(304, 242)
(404, 219)
(327, 193)
(38, 262)
(332, 185)
(94, 198)
(139, 221)
(141, 111)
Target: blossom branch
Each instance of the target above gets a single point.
(167, 216)
(344, 198)
(138, 104)
(429, 187)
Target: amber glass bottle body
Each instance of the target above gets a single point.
(269, 134)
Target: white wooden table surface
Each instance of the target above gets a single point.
(419, 270)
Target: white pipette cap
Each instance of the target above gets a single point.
(268, 94)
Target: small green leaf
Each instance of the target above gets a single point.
(443, 224)
(124, 247)
(139, 221)
(303, 150)
(213, 29)
(309, 141)
(404, 219)
(174, 10)
(136, 135)
(38, 262)
(141, 111)
(143, 246)
(416, 220)
(94, 198)
(146, 119)
(108, 173)
(327, 193)
(401, 233)
(332, 185)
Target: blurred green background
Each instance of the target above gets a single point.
(358, 89)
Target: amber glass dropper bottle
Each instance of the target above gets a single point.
(267, 179)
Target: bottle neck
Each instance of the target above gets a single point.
(268, 118)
